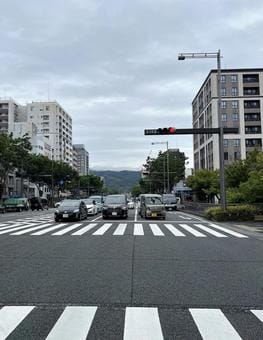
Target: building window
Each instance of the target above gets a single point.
(236, 142)
(226, 156)
(223, 91)
(223, 104)
(237, 155)
(235, 116)
(224, 117)
(233, 78)
(47, 108)
(251, 91)
(234, 91)
(250, 78)
(253, 142)
(225, 143)
(234, 104)
(223, 78)
(251, 104)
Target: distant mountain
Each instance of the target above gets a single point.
(122, 181)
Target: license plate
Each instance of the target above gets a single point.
(154, 214)
(65, 215)
(114, 214)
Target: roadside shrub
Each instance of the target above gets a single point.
(233, 213)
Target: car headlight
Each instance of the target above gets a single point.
(56, 211)
(76, 211)
(90, 209)
(104, 208)
(148, 210)
(124, 208)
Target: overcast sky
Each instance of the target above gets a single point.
(112, 64)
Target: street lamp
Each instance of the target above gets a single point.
(168, 176)
(217, 55)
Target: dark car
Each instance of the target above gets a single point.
(71, 210)
(115, 206)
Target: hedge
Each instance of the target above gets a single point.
(232, 213)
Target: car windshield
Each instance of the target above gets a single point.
(115, 200)
(69, 204)
(88, 201)
(153, 200)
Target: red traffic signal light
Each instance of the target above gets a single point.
(166, 131)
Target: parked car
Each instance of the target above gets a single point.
(17, 204)
(91, 206)
(152, 206)
(115, 206)
(99, 202)
(170, 202)
(71, 210)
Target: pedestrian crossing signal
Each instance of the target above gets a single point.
(161, 131)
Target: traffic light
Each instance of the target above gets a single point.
(161, 131)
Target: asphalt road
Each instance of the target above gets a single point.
(182, 278)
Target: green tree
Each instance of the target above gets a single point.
(205, 184)
(13, 154)
(136, 190)
(252, 189)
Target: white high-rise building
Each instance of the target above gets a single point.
(81, 159)
(55, 124)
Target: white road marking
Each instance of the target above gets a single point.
(120, 230)
(185, 218)
(84, 229)
(210, 231)
(102, 230)
(136, 214)
(212, 324)
(228, 231)
(138, 229)
(174, 230)
(10, 318)
(97, 218)
(66, 230)
(28, 230)
(13, 225)
(156, 230)
(193, 217)
(142, 323)
(11, 229)
(192, 230)
(47, 230)
(258, 314)
(74, 323)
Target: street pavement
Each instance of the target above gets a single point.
(182, 278)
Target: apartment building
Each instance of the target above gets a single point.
(241, 107)
(55, 124)
(9, 111)
(81, 159)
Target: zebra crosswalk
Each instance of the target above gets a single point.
(47, 226)
(128, 323)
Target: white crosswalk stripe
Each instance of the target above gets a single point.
(174, 230)
(138, 229)
(142, 323)
(66, 230)
(120, 230)
(138, 323)
(38, 228)
(47, 230)
(210, 231)
(212, 324)
(102, 230)
(228, 231)
(85, 229)
(192, 230)
(156, 230)
(10, 318)
(74, 323)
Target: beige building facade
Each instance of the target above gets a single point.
(241, 107)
